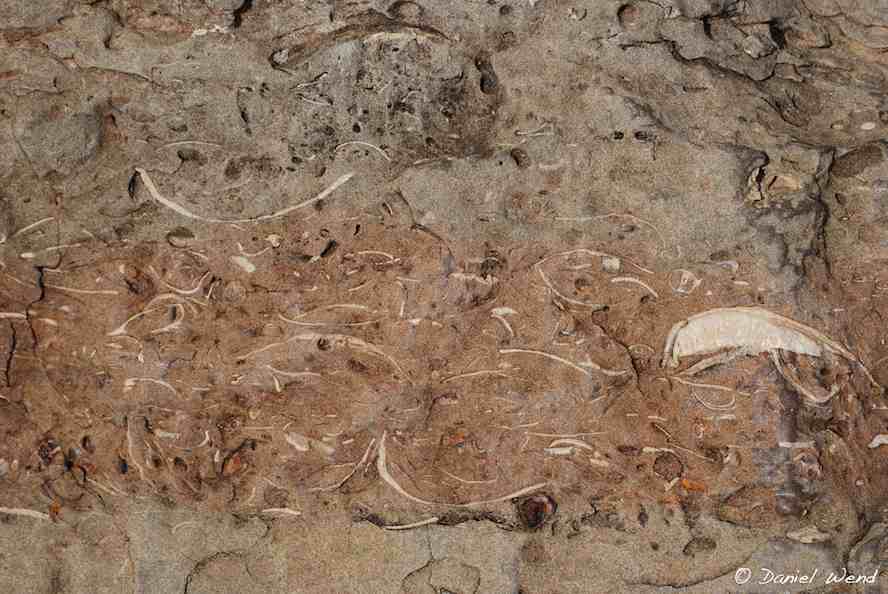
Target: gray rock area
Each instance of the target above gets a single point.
(463, 297)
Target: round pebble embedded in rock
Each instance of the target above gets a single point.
(534, 511)
(668, 466)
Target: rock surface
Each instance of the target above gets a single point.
(378, 297)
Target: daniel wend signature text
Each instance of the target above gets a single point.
(767, 576)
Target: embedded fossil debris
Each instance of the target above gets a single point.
(728, 333)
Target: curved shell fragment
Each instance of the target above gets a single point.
(751, 329)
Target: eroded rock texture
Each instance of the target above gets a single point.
(332, 296)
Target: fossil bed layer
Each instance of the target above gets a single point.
(331, 296)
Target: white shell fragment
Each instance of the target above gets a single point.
(879, 440)
(300, 442)
(751, 329)
(610, 264)
(687, 282)
(808, 535)
(244, 263)
(560, 451)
